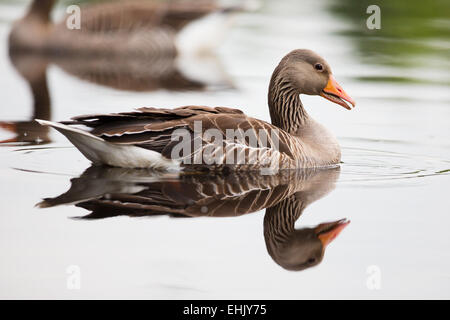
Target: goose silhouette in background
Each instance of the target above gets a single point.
(131, 45)
(120, 28)
(148, 137)
(36, 43)
(110, 192)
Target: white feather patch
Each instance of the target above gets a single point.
(205, 34)
(100, 151)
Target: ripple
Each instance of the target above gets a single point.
(360, 165)
(371, 165)
(54, 160)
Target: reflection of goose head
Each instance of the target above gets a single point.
(298, 249)
(108, 192)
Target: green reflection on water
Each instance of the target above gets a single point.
(402, 80)
(413, 33)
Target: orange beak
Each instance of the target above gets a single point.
(334, 92)
(327, 232)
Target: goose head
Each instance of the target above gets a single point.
(304, 72)
(305, 248)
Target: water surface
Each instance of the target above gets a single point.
(393, 183)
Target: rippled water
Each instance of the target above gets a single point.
(362, 166)
(393, 183)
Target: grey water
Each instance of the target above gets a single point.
(393, 184)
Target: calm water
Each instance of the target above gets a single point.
(393, 183)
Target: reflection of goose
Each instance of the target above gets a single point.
(150, 137)
(34, 70)
(132, 74)
(284, 242)
(109, 192)
(121, 28)
(147, 73)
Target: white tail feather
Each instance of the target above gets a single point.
(100, 151)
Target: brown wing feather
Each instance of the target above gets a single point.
(143, 119)
(147, 127)
(153, 128)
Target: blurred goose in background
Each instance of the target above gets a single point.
(118, 28)
(151, 64)
(147, 138)
(109, 192)
(148, 44)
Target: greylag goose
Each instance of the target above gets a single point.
(121, 28)
(108, 192)
(220, 137)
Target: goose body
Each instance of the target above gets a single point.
(214, 138)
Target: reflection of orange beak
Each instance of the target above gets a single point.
(327, 232)
(334, 92)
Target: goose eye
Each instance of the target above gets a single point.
(318, 67)
(311, 260)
